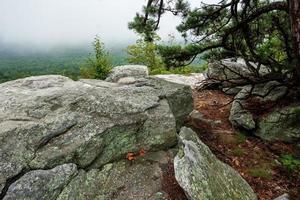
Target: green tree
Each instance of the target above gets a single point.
(98, 65)
(144, 53)
(262, 31)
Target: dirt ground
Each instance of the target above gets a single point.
(257, 161)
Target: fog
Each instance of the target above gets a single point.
(51, 23)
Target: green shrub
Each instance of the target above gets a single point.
(97, 65)
(290, 162)
(261, 172)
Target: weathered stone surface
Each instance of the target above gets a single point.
(269, 92)
(193, 80)
(41, 184)
(239, 116)
(281, 124)
(262, 93)
(121, 180)
(135, 71)
(232, 72)
(179, 97)
(203, 176)
(232, 90)
(47, 121)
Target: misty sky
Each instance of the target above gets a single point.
(35, 23)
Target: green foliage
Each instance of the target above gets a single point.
(99, 64)
(238, 152)
(148, 54)
(64, 62)
(144, 53)
(241, 138)
(257, 31)
(180, 70)
(261, 172)
(290, 162)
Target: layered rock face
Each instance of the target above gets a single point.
(58, 135)
(205, 177)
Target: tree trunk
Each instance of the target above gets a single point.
(294, 15)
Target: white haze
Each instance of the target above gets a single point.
(50, 23)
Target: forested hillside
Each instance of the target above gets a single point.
(67, 62)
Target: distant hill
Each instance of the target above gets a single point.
(65, 61)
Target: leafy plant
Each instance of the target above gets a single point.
(97, 65)
(290, 162)
(144, 53)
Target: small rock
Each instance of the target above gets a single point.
(135, 71)
(283, 197)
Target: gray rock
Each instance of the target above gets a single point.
(232, 90)
(41, 184)
(281, 124)
(135, 71)
(127, 80)
(263, 93)
(239, 116)
(203, 176)
(120, 181)
(232, 71)
(269, 92)
(193, 80)
(47, 121)
(283, 197)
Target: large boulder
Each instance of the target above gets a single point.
(281, 124)
(134, 71)
(233, 71)
(47, 121)
(268, 92)
(203, 176)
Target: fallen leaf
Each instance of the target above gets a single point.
(130, 156)
(142, 152)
